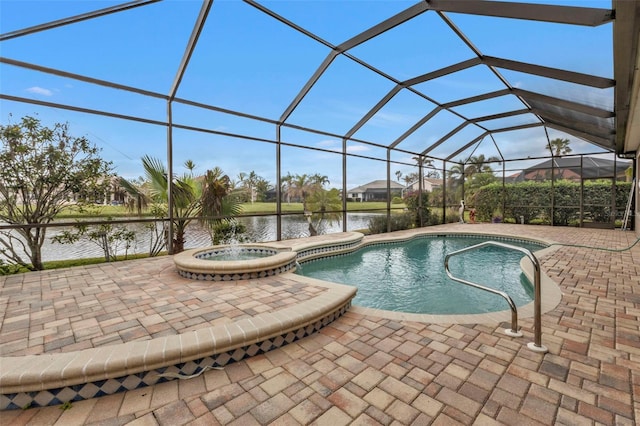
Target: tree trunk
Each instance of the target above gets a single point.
(178, 242)
(34, 243)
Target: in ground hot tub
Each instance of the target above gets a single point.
(237, 262)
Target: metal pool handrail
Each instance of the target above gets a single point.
(537, 344)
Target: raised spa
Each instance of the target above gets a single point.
(229, 263)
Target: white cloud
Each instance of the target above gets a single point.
(329, 144)
(357, 148)
(40, 91)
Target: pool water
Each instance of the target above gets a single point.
(410, 276)
(235, 255)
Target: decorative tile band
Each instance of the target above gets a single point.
(345, 249)
(90, 390)
(313, 251)
(234, 276)
(244, 249)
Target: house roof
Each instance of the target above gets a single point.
(376, 185)
(432, 181)
(569, 168)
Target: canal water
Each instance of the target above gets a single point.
(258, 229)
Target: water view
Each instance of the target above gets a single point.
(259, 229)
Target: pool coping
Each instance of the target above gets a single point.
(550, 291)
(56, 378)
(50, 379)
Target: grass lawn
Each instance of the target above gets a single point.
(248, 208)
(97, 210)
(108, 210)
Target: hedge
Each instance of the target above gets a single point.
(532, 201)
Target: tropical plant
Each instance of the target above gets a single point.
(559, 147)
(204, 199)
(111, 238)
(218, 210)
(287, 186)
(418, 203)
(301, 187)
(249, 182)
(455, 181)
(479, 164)
(41, 171)
(326, 206)
(378, 224)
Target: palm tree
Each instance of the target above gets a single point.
(191, 198)
(479, 164)
(319, 180)
(252, 181)
(186, 197)
(261, 188)
(301, 186)
(138, 198)
(287, 185)
(559, 147)
(326, 206)
(217, 209)
(190, 165)
(455, 179)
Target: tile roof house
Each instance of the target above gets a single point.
(374, 191)
(428, 184)
(572, 168)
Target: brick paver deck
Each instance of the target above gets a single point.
(365, 369)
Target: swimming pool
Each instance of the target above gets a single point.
(409, 276)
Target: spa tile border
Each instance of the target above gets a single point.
(269, 272)
(192, 264)
(345, 250)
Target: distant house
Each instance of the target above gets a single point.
(374, 191)
(428, 185)
(571, 168)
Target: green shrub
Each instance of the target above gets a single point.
(398, 222)
(415, 204)
(532, 200)
(452, 216)
(397, 200)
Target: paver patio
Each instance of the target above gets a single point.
(361, 369)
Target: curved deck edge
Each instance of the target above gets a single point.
(50, 379)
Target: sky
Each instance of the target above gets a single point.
(246, 61)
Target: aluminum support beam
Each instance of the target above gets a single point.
(601, 142)
(384, 26)
(445, 137)
(191, 45)
(416, 126)
(499, 116)
(373, 111)
(588, 128)
(307, 87)
(586, 109)
(554, 73)
(479, 138)
(83, 78)
(477, 98)
(74, 19)
(585, 16)
(625, 56)
(184, 63)
(460, 66)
